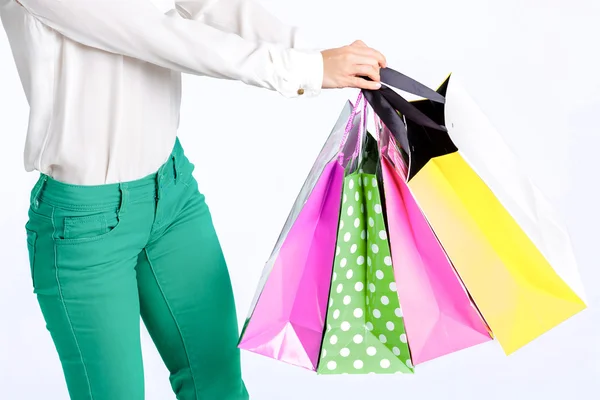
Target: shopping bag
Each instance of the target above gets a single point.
(506, 243)
(365, 327)
(439, 315)
(286, 318)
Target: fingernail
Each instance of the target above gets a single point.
(378, 85)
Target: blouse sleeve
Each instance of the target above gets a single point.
(136, 28)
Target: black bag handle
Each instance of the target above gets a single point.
(409, 110)
(407, 84)
(388, 115)
(402, 82)
(425, 140)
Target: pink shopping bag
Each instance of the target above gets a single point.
(287, 316)
(439, 315)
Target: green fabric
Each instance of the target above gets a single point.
(101, 256)
(365, 328)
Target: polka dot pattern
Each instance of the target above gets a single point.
(367, 332)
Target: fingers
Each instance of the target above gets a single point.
(365, 63)
(360, 48)
(361, 83)
(356, 65)
(363, 60)
(368, 71)
(374, 55)
(366, 57)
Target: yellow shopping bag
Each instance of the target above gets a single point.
(503, 238)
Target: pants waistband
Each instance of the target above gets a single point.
(77, 197)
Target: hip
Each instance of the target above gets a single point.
(67, 214)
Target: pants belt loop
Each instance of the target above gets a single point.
(37, 191)
(124, 198)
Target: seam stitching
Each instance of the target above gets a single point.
(62, 300)
(185, 347)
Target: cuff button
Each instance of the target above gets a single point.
(300, 91)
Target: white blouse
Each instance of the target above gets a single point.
(103, 77)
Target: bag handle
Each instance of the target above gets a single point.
(402, 82)
(361, 128)
(407, 84)
(388, 147)
(388, 115)
(408, 110)
(419, 144)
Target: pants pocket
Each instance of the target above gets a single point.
(86, 228)
(31, 242)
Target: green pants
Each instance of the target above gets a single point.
(101, 256)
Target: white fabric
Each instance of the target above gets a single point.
(103, 77)
(487, 153)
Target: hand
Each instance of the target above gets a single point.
(347, 66)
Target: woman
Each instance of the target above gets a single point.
(117, 227)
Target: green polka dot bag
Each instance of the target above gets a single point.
(365, 329)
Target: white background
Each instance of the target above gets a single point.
(533, 67)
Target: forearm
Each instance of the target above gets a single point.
(135, 28)
(246, 18)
